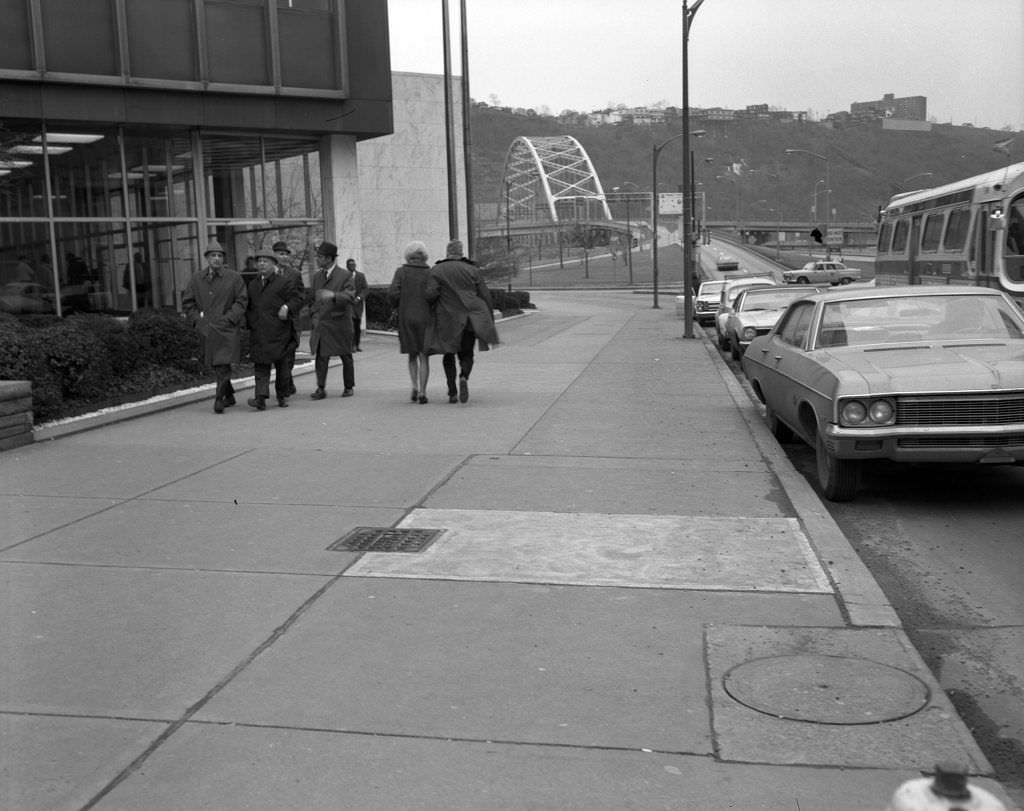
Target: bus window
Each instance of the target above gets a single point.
(899, 236)
(932, 232)
(1015, 228)
(884, 237)
(956, 229)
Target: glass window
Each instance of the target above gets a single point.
(797, 320)
(80, 36)
(899, 236)
(237, 42)
(151, 26)
(15, 36)
(308, 47)
(956, 229)
(884, 237)
(932, 232)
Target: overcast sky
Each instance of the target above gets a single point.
(965, 56)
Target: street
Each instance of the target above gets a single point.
(946, 544)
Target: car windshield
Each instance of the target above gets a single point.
(711, 288)
(918, 318)
(769, 299)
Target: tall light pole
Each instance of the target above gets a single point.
(689, 12)
(828, 180)
(655, 154)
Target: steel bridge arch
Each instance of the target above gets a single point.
(544, 180)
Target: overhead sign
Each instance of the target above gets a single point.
(670, 203)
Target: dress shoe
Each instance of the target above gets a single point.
(359, 349)
(229, 400)
(414, 396)
(347, 393)
(319, 394)
(423, 399)
(453, 398)
(291, 390)
(282, 402)
(463, 390)
(259, 403)
(218, 405)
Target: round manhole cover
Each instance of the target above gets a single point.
(826, 689)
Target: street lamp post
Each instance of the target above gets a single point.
(688, 14)
(655, 153)
(828, 180)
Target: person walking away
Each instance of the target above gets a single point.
(214, 302)
(462, 317)
(334, 293)
(359, 278)
(274, 299)
(408, 293)
(284, 264)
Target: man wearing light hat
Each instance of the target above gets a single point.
(274, 300)
(334, 293)
(214, 302)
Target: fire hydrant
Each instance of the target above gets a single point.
(947, 791)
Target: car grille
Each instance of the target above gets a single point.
(1011, 441)
(705, 307)
(974, 409)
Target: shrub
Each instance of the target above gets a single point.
(164, 338)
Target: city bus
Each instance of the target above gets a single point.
(968, 232)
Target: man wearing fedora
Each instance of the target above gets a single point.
(214, 302)
(359, 279)
(274, 300)
(334, 294)
(285, 265)
(463, 317)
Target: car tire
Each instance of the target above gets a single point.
(801, 280)
(782, 432)
(845, 280)
(838, 478)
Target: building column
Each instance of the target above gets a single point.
(339, 171)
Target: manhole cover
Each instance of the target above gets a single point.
(826, 689)
(385, 539)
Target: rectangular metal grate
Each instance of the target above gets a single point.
(385, 539)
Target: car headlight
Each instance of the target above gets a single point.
(867, 413)
(749, 333)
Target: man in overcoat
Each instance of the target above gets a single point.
(286, 266)
(359, 279)
(274, 300)
(334, 294)
(214, 302)
(462, 316)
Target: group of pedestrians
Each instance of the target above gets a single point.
(444, 309)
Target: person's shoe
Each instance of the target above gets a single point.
(259, 403)
(347, 393)
(319, 394)
(218, 405)
(423, 399)
(359, 349)
(453, 398)
(463, 390)
(229, 400)
(292, 391)
(414, 396)
(282, 402)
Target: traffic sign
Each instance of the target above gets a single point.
(834, 237)
(670, 203)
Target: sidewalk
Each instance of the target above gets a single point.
(627, 599)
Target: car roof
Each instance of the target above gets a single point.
(848, 292)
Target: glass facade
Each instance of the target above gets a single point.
(109, 219)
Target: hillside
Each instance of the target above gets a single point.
(867, 164)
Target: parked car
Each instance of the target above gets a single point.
(909, 374)
(822, 272)
(706, 302)
(756, 310)
(730, 290)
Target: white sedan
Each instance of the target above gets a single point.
(909, 374)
